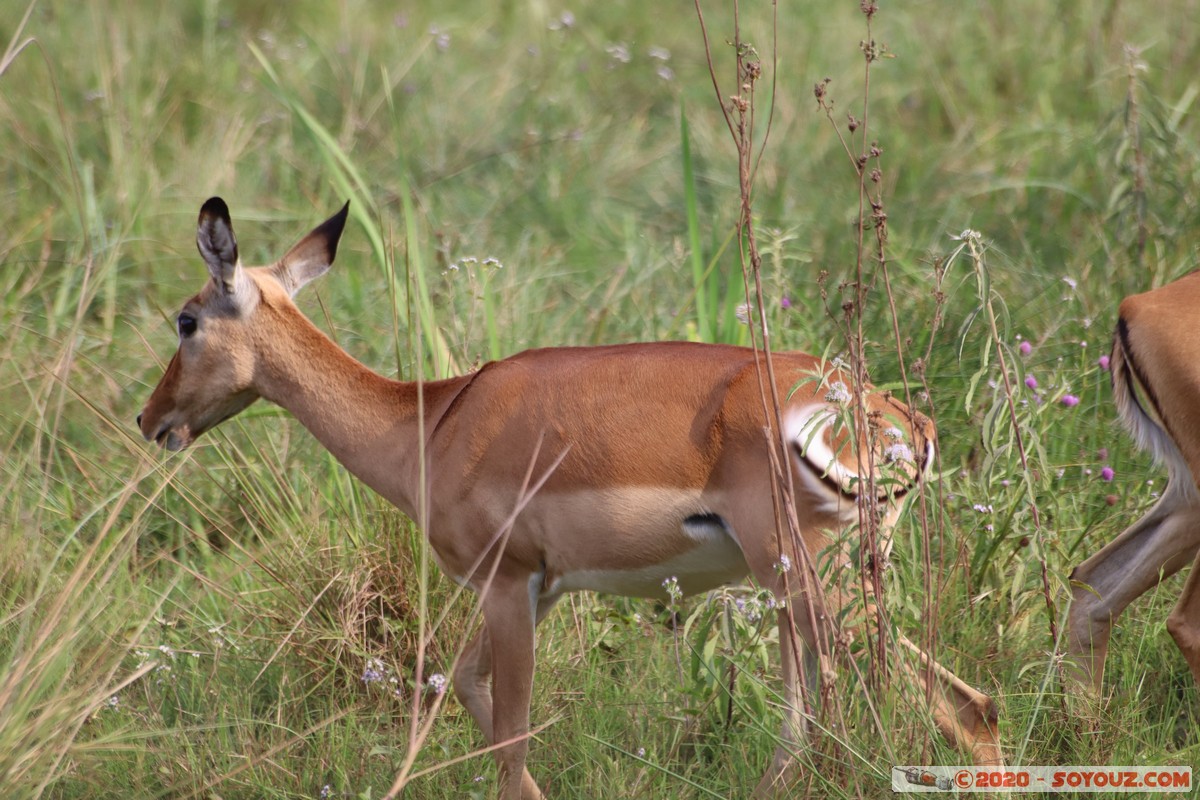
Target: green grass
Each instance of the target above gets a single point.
(607, 192)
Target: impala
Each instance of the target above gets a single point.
(1155, 365)
(610, 469)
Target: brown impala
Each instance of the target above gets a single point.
(652, 462)
(1156, 382)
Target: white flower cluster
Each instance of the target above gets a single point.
(838, 393)
(671, 584)
(376, 671)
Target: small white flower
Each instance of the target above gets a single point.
(441, 39)
(899, 451)
(374, 671)
(671, 584)
(665, 72)
(838, 393)
(967, 235)
(785, 563)
(113, 701)
(983, 509)
(893, 433)
(661, 53)
(436, 683)
(565, 20)
(162, 674)
(619, 52)
(742, 312)
(1070, 282)
(641, 752)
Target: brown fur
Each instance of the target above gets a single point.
(1156, 385)
(651, 460)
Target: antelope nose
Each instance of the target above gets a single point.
(139, 420)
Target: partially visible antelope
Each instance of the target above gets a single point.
(1155, 365)
(651, 458)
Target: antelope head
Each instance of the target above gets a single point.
(223, 329)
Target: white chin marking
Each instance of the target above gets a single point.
(175, 442)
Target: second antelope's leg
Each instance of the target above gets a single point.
(1154, 547)
(966, 717)
(1184, 621)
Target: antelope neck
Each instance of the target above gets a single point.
(370, 423)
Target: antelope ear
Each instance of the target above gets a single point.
(313, 255)
(218, 245)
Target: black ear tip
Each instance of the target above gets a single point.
(332, 228)
(214, 207)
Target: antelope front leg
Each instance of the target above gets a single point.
(966, 717)
(509, 617)
(472, 687)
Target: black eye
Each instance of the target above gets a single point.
(187, 325)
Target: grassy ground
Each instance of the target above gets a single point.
(200, 625)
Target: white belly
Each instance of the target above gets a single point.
(713, 559)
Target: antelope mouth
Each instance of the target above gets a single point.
(169, 438)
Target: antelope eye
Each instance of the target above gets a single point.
(187, 325)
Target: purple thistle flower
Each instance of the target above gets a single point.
(1107, 474)
(1026, 348)
(785, 303)
(1070, 400)
(1031, 381)
(1103, 362)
